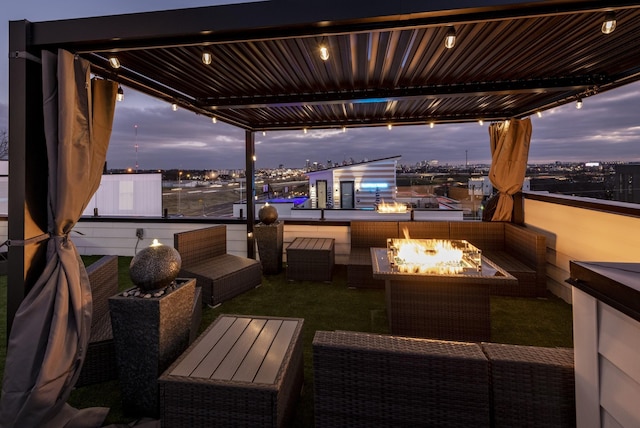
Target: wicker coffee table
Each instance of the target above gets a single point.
(242, 371)
(451, 307)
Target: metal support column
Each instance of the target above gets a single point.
(28, 188)
(250, 151)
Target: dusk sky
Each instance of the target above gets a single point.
(607, 128)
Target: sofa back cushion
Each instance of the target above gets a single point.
(487, 236)
(424, 229)
(199, 245)
(367, 234)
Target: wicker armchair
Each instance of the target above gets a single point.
(220, 275)
(100, 361)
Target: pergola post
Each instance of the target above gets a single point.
(250, 177)
(28, 188)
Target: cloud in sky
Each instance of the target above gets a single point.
(606, 128)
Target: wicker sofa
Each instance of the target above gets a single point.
(220, 276)
(517, 249)
(363, 380)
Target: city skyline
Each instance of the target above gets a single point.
(148, 133)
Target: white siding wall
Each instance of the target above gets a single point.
(128, 195)
(607, 352)
(581, 234)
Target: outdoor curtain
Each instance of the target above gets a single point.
(51, 329)
(509, 155)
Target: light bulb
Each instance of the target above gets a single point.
(609, 23)
(431, 125)
(174, 107)
(214, 120)
(304, 130)
(207, 57)
(450, 38)
(324, 53)
(480, 122)
(389, 126)
(579, 103)
(539, 113)
(114, 61)
(120, 95)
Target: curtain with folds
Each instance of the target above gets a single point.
(51, 329)
(509, 155)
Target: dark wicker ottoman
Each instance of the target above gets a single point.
(369, 380)
(242, 371)
(531, 386)
(311, 259)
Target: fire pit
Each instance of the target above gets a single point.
(437, 288)
(433, 256)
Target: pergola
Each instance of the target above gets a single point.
(387, 64)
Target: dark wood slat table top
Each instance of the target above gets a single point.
(240, 348)
(311, 244)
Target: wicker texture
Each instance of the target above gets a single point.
(364, 235)
(100, 361)
(191, 402)
(451, 308)
(531, 386)
(221, 276)
(367, 380)
(424, 229)
(311, 259)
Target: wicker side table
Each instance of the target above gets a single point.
(311, 259)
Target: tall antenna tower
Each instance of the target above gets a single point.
(135, 127)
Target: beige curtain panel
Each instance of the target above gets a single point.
(509, 155)
(48, 341)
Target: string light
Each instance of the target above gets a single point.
(120, 95)
(431, 125)
(579, 103)
(207, 57)
(324, 51)
(304, 130)
(174, 107)
(609, 23)
(114, 61)
(480, 122)
(213, 119)
(389, 126)
(539, 113)
(450, 38)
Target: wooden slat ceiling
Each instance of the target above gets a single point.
(499, 68)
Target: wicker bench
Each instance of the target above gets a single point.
(367, 380)
(221, 276)
(242, 371)
(364, 380)
(100, 361)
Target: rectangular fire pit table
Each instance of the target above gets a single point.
(439, 306)
(311, 259)
(243, 370)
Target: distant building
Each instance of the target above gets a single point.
(627, 183)
(359, 185)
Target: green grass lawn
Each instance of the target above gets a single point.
(333, 306)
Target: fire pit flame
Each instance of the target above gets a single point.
(433, 256)
(396, 207)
